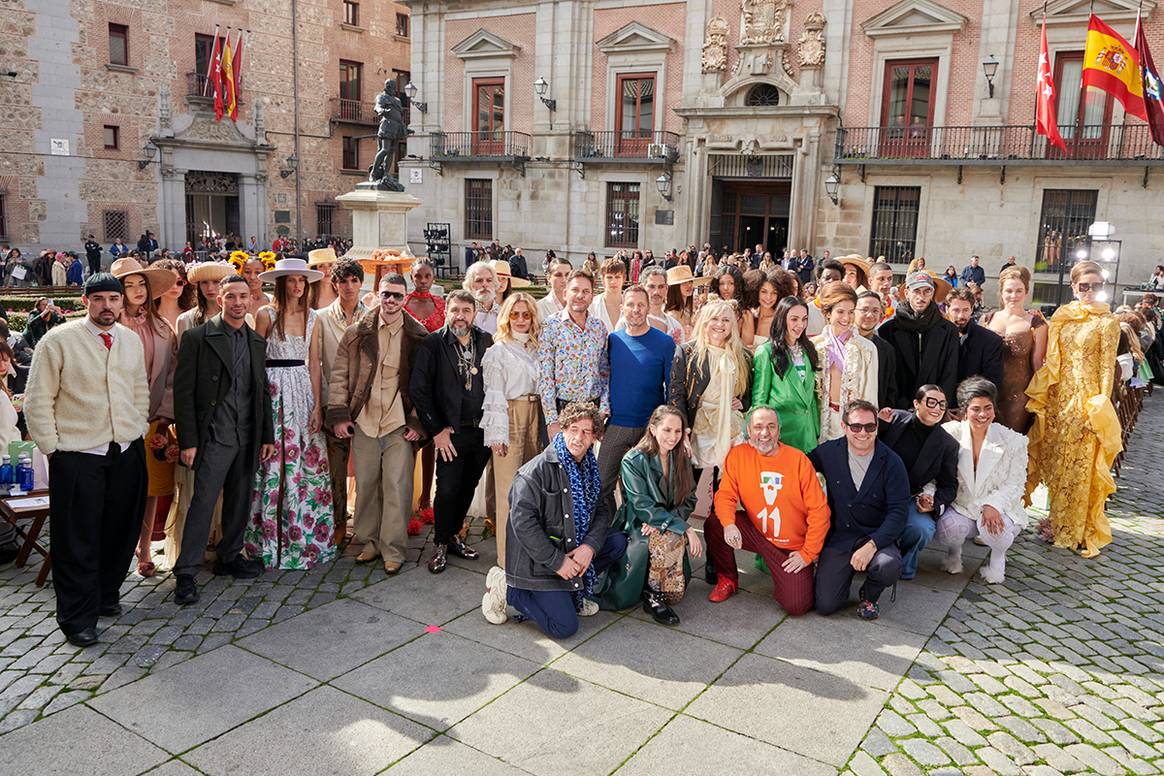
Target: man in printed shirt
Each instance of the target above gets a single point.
(786, 510)
(573, 356)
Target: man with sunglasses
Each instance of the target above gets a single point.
(868, 495)
(369, 402)
(930, 456)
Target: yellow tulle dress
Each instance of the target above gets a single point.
(1076, 433)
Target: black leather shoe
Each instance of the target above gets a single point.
(239, 568)
(186, 592)
(110, 610)
(462, 550)
(86, 637)
(709, 574)
(8, 554)
(439, 560)
(653, 605)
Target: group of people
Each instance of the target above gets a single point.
(189, 384)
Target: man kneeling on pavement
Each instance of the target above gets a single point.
(787, 515)
(558, 536)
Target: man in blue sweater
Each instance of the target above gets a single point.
(640, 366)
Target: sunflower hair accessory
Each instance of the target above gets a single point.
(239, 260)
(268, 258)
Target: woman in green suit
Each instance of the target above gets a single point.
(785, 374)
(660, 496)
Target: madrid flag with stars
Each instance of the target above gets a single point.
(1045, 123)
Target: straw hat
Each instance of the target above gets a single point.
(209, 270)
(862, 266)
(942, 287)
(321, 257)
(285, 267)
(677, 276)
(501, 267)
(158, 279)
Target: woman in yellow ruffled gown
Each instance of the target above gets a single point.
(1076, 434)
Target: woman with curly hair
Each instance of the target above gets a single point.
(763, 297)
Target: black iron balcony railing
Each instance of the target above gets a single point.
(628, 145)
(197, 86)
(995, 144)
(352, 111)
(450, 146)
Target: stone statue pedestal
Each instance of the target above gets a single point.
(379, 220)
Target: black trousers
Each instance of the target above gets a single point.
(217, 469)
(456, 480)
(94, 264)
(834, 575)
(95, 512)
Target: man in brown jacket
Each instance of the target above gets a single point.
(368, 401)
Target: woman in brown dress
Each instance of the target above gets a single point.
(1024, 346)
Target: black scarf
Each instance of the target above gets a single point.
(916, 323)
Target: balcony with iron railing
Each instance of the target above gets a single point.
(625, 146)
(996, 144)
(345, 111)
(473, 146)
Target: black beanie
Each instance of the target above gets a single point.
(102, 281)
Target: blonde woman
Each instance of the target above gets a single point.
(512, 419)
(848, 361)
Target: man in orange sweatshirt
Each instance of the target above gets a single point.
(787, 515)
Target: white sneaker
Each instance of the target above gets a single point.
(493, 603)
(589, 608)
(953, 563)
(991, 575)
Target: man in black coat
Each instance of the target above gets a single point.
(979, 349)
(926, 343)
(225, 427)
(930, 456)
(448, 391)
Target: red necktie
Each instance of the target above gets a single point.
(107, 338)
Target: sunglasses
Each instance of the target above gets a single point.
(868, 428)
(396, 295)
(932, 402)
(521, 315)
(179, 282)
(1086, 287)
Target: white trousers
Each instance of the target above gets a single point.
(954, 528)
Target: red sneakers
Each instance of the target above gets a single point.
(723, 590)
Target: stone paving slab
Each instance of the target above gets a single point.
(323, 732)
(739, 622)
(444, 755)
(427, 598)
(75, 741)
(201, 698)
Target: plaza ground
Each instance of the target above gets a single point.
(342, 670)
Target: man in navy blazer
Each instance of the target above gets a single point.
(868, 494)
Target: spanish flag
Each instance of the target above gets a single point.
(1110, 63)
(230, 97)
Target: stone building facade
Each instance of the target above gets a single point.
(105, 127)
(736, 122)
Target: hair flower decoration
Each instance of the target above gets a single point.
(239, 260)
(268, 258)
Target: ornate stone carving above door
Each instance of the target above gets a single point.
(810, 47)
(715, 46)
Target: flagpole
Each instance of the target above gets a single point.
(210, 63)
(1035, 117)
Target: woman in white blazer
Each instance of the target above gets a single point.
(992, 473)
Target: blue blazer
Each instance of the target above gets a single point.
(877, 511)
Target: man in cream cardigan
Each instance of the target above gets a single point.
(86, 405)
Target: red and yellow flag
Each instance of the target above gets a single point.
(1110, 63)
(229, 95)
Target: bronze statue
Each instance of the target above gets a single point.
(392, 128)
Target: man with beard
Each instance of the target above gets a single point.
(86, 404)
(926, 344)
(979, 348)
(881, 281)
(572, 356)
(447, 388)
(870, 311)
(654, 280)
(481, 281)
(787, 516)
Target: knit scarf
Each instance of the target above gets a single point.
(585, 488)
(916, 323)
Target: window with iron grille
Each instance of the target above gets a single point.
(118, 44)
(402, 25)
(761, 95)
(352, 13)
(478, 209)
(116, 223)
(351, 153)
(894, 233)
(1063, 225)
(324, 212)
(622, 215)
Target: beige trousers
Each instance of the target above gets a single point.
(524, 421)
(384, 496)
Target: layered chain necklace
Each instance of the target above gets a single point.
(466, 361)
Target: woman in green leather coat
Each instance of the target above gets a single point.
(785, 375)
(660, 496)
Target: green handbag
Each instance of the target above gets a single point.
(622, 584)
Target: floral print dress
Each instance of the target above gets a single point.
(291, 516)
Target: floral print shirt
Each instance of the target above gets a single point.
(573, 363)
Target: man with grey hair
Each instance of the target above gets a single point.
(481, 281)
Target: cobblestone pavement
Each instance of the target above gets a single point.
(342, 670)
(1058, 670)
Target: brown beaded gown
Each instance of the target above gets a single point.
(1016, 376)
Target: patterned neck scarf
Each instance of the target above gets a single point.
(585, 488)
(836, 348)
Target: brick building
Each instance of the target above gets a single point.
(104, 126)
(737, 122)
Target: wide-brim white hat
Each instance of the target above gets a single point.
(286, 267)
